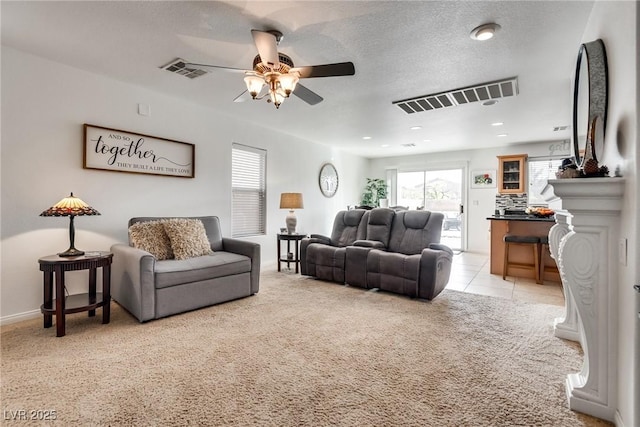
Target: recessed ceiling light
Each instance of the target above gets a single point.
(490, 102)
(485, 31)
(497, 124)
(366, 137)
(416, 127)
(502, 134)
(384, 145)
(426, 140)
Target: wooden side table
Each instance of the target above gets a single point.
(62, 305)
(295, 238)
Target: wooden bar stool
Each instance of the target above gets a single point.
(544, 246)
(512, 239)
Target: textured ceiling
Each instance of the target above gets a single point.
(400, 50)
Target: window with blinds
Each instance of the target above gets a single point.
(248, 182)
(540, 171)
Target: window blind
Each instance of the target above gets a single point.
(248, 188)
(540, 171)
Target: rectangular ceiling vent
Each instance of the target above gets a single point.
(410, 144)
(478, 93)
(179, 66)
(559, 128)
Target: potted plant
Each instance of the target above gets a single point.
(375, 193)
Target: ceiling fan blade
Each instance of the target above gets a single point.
(219, 67)
(326, 70)
(307, 95)
(244, 96)
(267, 48)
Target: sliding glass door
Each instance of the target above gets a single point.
(436, 191)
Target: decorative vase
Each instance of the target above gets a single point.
(383, 203)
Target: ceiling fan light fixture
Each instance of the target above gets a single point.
(484, 31)
(288, 82)
(254, 85)
(276, 97)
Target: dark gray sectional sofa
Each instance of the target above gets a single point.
(398, 252)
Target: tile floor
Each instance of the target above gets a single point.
(470, 273)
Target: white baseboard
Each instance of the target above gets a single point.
(13, 318)
(33, 314)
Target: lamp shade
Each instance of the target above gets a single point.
(254, 85)
(291, 201)
(288, 83)
(70, 206)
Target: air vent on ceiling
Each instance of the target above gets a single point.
(466, 95)
(411, 144)
(179, 66)
(559, 128)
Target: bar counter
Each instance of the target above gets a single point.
(524, 225)
(522, 218)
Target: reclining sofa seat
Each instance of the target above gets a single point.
(414, 264)
(324, 257)
(150, 289)
(377, 237)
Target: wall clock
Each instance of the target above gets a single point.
(328, 180)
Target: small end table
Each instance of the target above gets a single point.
(295, 238)
(79, 302)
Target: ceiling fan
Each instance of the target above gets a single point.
(275, 71)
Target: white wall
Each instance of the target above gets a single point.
(479, 202)
(44, 105)
(616, 24)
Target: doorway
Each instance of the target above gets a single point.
(436, 191)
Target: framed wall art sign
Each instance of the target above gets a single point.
(483, 179)
(122, 151)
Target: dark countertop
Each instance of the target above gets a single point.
(521, 218)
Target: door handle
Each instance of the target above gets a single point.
(637, 288)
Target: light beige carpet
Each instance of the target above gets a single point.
(301, 352)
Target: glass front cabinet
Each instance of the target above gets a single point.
(511, 174)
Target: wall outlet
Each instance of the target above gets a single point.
(622, 251)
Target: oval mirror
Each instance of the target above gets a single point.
(328, 180)
(590, 97)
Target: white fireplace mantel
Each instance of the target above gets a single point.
(587, 258)
(567, 327)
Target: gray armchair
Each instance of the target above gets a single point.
(414, 264)
(324, 257)
(150, 288)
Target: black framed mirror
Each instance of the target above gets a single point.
(590, 97)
